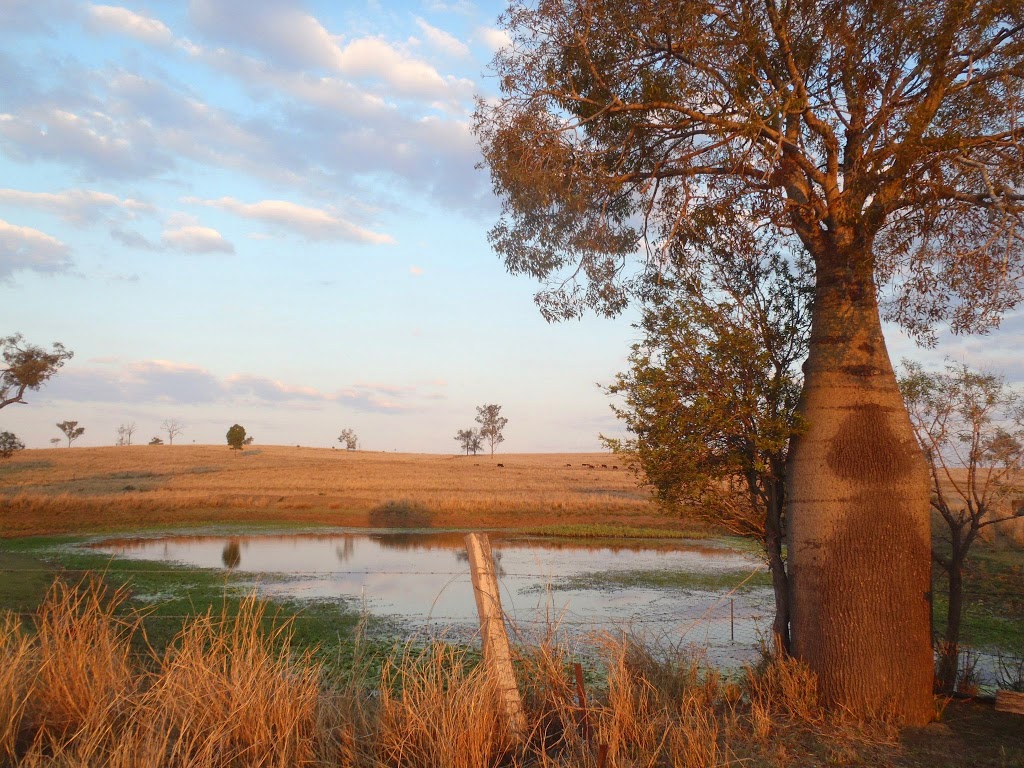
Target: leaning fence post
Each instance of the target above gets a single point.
(497, 655)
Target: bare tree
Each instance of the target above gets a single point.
(71, 430)
(27, 367)
(173, 428)
(125, 432)
(882, 137)
(971, 427)
(491, 424)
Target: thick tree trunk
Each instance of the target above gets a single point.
(857, 518)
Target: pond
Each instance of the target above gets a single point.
(669, 591)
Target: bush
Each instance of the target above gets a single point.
(9, 443)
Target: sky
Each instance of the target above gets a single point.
(268, 212)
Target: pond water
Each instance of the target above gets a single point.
(674, 592)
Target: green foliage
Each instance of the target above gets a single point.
(27, 367)
(349, 439)
(156, 441)
(236, 437)
(71, 430)
(470, 441)
(711, 394)
(9, 443)
(491, 424)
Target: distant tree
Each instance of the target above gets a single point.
(248, 440)
(156, 441)
(236, 436)
(971, 427)
(349, 439)
(9, 443)
(71, 430)
(54, 441)
(27, 367)
(125, 432)
(711, 394)
(470, 440)
(491, 424)
(173, 428)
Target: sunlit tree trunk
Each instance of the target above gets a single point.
(858, 516)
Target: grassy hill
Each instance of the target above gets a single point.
(91, 489)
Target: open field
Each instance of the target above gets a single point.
(94, 489)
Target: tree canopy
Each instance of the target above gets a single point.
(884, 136)
(236, 437)
(27, 367)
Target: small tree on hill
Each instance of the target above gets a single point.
(71, 430)
(27, 367)
(470, 440)
(9, 443)
(156, 441)
(971, 427)
(349, 439)
(54, 441)
(125, 432)
(491, 424)
(236, 437)
(173, 428)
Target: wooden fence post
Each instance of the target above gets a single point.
(497, 654)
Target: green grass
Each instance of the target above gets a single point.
(662, 579)
(994, 600)
(168, 595)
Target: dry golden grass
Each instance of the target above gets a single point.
(78, 489)
(232, 693)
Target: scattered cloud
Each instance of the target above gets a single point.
(24, 248)
(132, 239)
(414, 270)
(112, 18)
(192, 238)
(311, 223)
(494, 39)
(163, 381)
(442, 41)
(284, 34)
(79, 206)
(374, 59)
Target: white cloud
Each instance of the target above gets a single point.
(372, 58)
(27, 248)
(312, 223)
(112, 18)
(442, 41)
(165, 381)
(192, 238)
(79, 206)
(417, 271)
(494, 39)
(284, 34)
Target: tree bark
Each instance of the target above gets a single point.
(857, 516)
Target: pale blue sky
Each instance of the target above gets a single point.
(268, 212)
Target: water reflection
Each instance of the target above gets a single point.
(425, 578)
(232, 554)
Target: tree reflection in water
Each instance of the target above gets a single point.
(232, 554)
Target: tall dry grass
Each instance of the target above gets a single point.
(232, 691)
